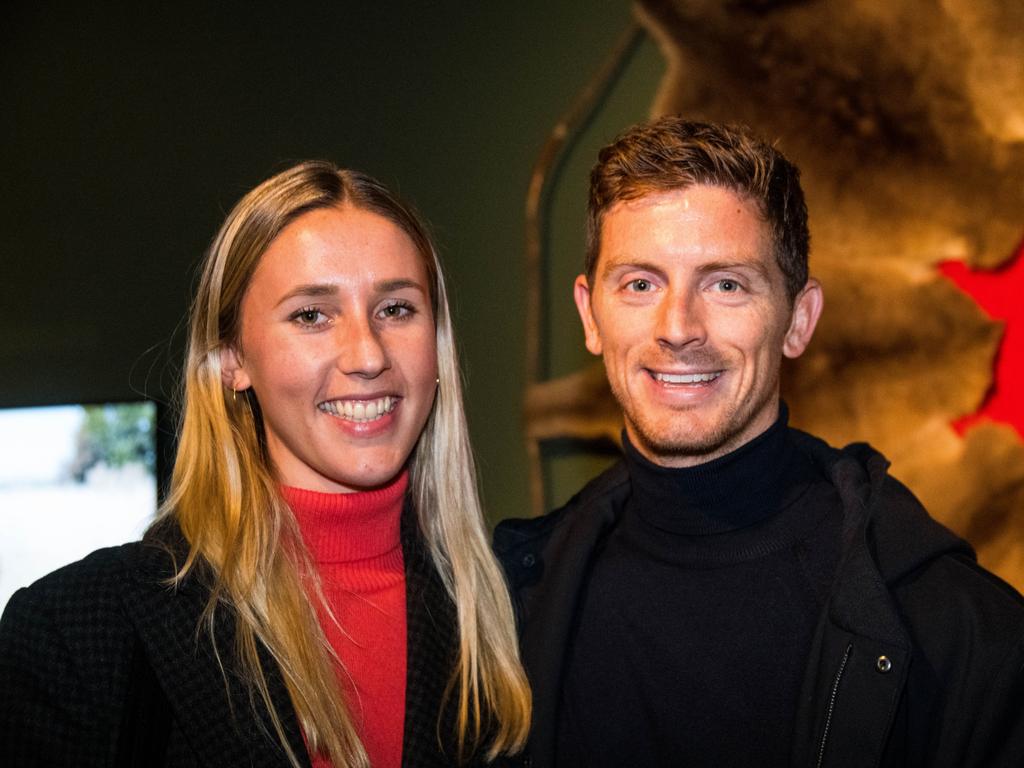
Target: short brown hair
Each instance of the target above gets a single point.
(673, 153)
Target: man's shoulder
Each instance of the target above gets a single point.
(966, 628)
(513, 532)
(945, 587)
(931, 572)
(877, 505)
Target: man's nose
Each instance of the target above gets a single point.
(681, 321)
(360, 350)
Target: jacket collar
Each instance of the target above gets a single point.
(860, 601)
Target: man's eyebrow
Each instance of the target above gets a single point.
(624, 263)
(757, 266)
(619, 264)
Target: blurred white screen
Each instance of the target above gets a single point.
(72, 479)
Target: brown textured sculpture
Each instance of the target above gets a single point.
(907, 120)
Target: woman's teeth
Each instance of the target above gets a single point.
(359, 410)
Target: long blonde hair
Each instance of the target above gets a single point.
(226, 500)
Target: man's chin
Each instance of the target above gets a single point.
(674, 446)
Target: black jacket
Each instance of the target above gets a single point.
(69, 667)
(918, 656)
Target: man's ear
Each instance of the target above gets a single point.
(591, 335)
(806, 311)
(231, 371)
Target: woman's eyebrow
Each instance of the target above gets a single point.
(397, 284)
(310, 289)
(330, 289)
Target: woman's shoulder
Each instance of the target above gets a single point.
(83, 592)
(66, 646)
(100, 565)
(66, 634)
(89, 591)
(80, 621)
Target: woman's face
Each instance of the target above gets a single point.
(337, 342)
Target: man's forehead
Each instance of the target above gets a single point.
(686, 196)
(689, 220)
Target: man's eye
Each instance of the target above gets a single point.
(728, 286)
(640, 285)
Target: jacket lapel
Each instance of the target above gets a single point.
(431, 642)
(861, 654)
(212, 707)
(548, 611)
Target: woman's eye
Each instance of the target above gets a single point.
(728, 286)
(309, 316)
(397, 310)
(640, 285)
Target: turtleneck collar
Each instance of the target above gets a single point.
(731, 492)
(349, 527)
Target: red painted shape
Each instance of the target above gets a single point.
(1000, 294)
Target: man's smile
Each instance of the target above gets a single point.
(685, 378)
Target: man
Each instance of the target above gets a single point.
(736, 592)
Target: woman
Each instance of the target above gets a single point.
(318, 586)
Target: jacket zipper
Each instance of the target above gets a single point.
(832, 704)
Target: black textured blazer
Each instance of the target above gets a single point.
(70, 650)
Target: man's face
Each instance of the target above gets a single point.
(688, 307)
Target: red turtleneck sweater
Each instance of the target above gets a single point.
(355, 541)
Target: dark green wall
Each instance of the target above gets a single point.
(126, 136)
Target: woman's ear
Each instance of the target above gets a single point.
(232, 372)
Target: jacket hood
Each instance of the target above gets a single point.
(900, 534)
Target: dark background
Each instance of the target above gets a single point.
(126, 135)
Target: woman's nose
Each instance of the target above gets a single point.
(360, 349)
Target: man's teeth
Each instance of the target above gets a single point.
(686, 378)
(359, 410)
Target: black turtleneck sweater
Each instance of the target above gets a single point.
(692, 638)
